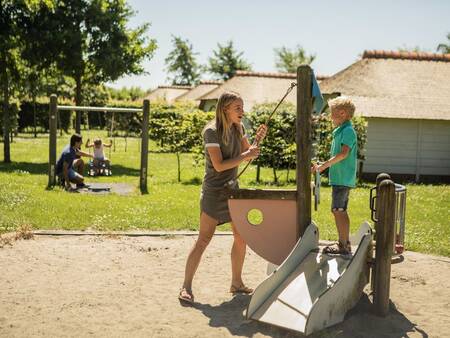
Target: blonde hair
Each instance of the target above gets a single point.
(342, 103)
(98, 141)
(222, 122)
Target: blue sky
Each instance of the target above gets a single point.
(336, 31)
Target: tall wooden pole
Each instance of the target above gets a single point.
(52, 140)
(144, 147)
(383, 250)
(304, 141)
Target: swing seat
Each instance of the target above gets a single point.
(100, 169)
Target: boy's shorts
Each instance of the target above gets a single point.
(339, 197)
(73, 174)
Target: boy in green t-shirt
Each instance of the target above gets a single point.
(342, 173)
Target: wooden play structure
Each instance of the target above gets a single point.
(309, 291)
(54, 108)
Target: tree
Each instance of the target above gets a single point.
(444, 48)
(226, 61)
(94, 44)
(406, 49)
(181, 62)
(10, 47)
(287, 60)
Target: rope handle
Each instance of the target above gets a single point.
(266, 122)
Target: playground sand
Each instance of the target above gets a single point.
(127, 286)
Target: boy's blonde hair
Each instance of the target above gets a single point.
(223, 124)
(342, 103)
(98, 141)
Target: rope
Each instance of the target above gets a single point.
(266, 122)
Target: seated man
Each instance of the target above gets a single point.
(70, 166)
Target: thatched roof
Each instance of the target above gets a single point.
(396, 85)
(201, 89)
(256, 88)
(168, 93)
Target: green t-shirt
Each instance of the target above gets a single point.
(344, 172)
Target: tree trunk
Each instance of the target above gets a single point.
(34, 114)
(78, 101)
(258, 173)
(6, 118)
(179, 167)
(275, 178)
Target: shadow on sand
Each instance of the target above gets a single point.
(359, 322)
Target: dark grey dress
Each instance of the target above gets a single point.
(213, 200)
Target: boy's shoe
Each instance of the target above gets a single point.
(338, 249)
(82, 185)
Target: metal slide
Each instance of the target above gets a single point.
(310, 291)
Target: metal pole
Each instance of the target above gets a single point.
(304, 141)
(52, 140)
(144, 147)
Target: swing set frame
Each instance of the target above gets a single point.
(53, 119)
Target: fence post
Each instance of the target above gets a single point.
(144, 147)
(52, 140)
(303, 136)
(383, 251)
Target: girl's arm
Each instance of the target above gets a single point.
(221, 165)
(108, 145)
(260, 134)
(88, 145)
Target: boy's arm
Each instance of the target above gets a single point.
(108, 145)
(345, 150)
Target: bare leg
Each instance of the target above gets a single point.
(78, 166)
(207, 229)
(343, 225)
(237, 258)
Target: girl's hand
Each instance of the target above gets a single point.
(261, 133)
(252, 152)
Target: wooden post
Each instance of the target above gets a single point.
(383, 250)
(144, 147)
(380, 178)
(304, 141)
(52, 140)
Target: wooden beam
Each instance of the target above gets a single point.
(383, 250)
(262, 194)
(144, 148)
(304, 141)
(52, 141)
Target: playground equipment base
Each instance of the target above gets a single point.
(310, 291)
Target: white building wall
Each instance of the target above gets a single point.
(401, 146)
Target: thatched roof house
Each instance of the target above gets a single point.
(254, 88)
(198, 91)
(168, 93)
(405, 97)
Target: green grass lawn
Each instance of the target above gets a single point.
(172, 205)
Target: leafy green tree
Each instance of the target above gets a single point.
(287, 60)
(226, 61)
(94, 44)
(444, 48)
(11, 45)
(406, 49)
(182, 64)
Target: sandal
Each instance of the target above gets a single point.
(186, 296)
(240, 289)
(338, 249)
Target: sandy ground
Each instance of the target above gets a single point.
(114, 287)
